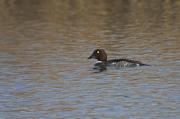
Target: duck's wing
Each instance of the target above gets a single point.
(126, 62)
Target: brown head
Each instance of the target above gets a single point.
(99, 54)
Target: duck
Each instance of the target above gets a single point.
(102, 62)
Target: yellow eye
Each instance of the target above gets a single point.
(98, 52)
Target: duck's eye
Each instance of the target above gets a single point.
(98, 52)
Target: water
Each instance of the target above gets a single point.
(45, 74)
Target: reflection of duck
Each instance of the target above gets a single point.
(101, 56)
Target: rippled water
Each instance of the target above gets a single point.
(45, 74)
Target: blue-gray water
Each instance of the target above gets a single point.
(45, 74)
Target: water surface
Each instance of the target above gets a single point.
(45, 74)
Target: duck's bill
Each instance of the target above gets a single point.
(91, 57)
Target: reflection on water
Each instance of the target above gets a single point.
(44, 71)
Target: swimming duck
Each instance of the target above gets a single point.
(102, 62)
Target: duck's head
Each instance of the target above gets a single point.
(99, 54)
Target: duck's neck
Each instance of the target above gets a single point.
(102, 61)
